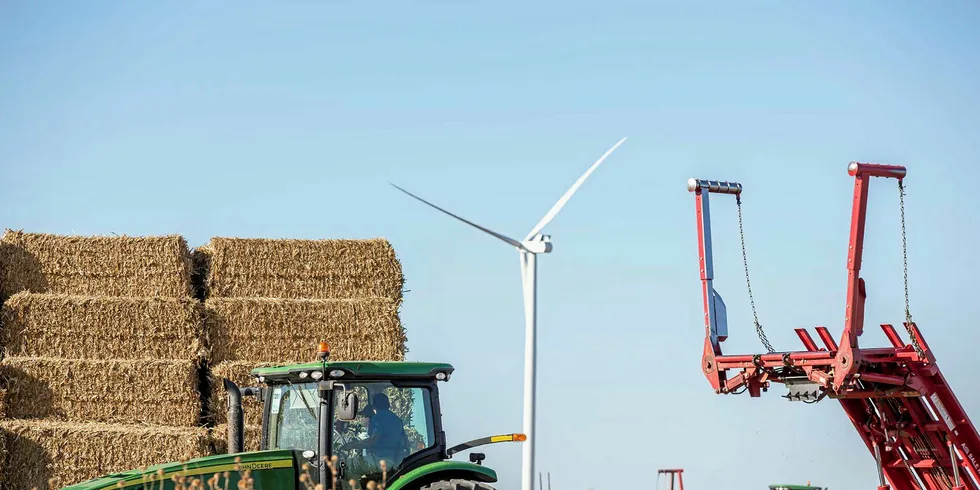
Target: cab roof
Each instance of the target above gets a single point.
(359, 370)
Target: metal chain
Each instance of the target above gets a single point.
(905, 269)
(745, 261)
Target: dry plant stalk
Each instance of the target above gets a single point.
(125, 391)
(94, 266)
(70, 452)
(288, 330)
(91, 327)
(287, 268)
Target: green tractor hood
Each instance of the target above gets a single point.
(268, 469)
(279, 469)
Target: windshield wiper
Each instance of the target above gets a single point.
(303, 397)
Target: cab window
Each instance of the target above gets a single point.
(393, 423)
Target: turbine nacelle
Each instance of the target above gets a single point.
(538, 244)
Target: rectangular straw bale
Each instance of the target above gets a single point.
(259, 267)
(238, 372)
(253, 438)
(95, 265)
(281, 330)
(92, 327)
(162, 392)
(72, 452)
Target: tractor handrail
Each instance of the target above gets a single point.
(484, 441)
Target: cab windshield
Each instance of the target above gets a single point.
(293, 416)
(392, 423)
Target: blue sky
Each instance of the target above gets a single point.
(242, 119)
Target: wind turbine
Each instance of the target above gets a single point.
(533, 244)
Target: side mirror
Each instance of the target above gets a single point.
(348, 407)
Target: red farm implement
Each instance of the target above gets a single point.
(896, 396)
(673, 474)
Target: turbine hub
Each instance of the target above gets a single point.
(538, 244)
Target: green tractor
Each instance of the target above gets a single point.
(342, 425)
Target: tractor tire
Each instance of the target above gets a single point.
(456, 484)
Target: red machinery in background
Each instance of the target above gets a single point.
(672, 474)
(895, 396)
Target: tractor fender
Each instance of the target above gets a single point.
(443, 470)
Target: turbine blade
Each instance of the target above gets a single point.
(505, 238)
(568, 194)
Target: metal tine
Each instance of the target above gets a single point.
(807, 340)
(828, 340)
(892, 335)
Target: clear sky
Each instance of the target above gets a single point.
(242, 119)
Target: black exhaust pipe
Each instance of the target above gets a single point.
(236, 423)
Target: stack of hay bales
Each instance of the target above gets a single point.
(271, 301)
(103, 345)
(110, 361)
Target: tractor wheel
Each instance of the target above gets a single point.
(455, 484)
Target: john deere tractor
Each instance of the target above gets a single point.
(332, 424)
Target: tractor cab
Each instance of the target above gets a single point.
(383, 417)
(356, 421)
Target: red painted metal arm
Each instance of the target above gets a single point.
(847, 363)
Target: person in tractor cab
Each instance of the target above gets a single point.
(386, 434)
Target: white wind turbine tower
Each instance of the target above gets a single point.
(532, 245)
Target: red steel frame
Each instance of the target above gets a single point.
(674, 472)
(896, 397)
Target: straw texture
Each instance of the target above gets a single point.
(3, 459)
(101, 266)
(253, 438)
(87, 327)
(258, 267)
(281, 330)
(151, 392)
(72, 452)
(238, 372)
